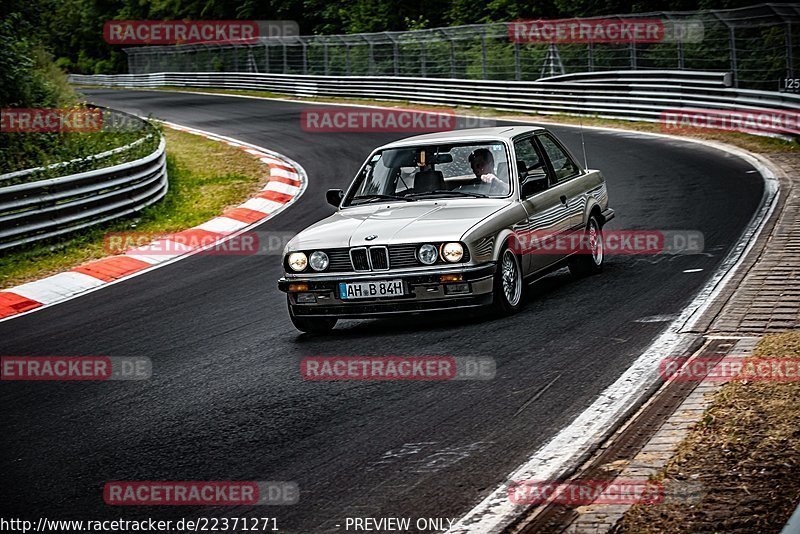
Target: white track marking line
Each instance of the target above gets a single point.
(280, 187)
(56, 287)
(277, 171)
(222, 225)
(263, 205)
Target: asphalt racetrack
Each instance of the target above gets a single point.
(227, 402)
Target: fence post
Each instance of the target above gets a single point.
(371, 59)
(422, 60)
(789, 59)
(347, 58)
(590, 55)
(483, 55)
(285, 58)
(326, 69)
(395, 54)
(266, 58)
(452, 57)
(681, 64)
(305, 56)
(633, 54)
(732, 45)
(517, 63)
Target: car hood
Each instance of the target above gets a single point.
(407, 222)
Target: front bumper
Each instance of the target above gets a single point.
(423, 292)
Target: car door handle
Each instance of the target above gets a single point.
(563, 199)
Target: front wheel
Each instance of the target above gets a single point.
(508, 284)
(312, 325)
(590, 260)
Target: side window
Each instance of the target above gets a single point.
(563, 165)
(528, 161)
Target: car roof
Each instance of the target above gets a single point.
(500, 133)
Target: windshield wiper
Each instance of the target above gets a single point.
(376, 196)
(450, 192)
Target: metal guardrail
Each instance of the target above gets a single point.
(629, 95)
(51, 207)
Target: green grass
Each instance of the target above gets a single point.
(205, 178)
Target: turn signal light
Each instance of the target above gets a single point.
(451, 278)
(298, 287)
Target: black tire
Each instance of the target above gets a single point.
(509, 286)
(312, 325)
(589, 261)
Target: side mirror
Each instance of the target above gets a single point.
(533, 185)
(334, 197)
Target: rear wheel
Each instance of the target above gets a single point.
(590, 260)
(312, 325)
(508, 284)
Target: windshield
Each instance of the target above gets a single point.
(468, 170)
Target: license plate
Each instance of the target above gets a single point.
(371, 290)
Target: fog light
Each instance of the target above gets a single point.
(298, 287)
(456, 289)
(451, 278)
(306, 298)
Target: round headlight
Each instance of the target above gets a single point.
(452, 252)
(427, 254)
(298, 261)
(318, 260)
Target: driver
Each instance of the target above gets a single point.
(482, 162)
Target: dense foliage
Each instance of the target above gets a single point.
(73, 29)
